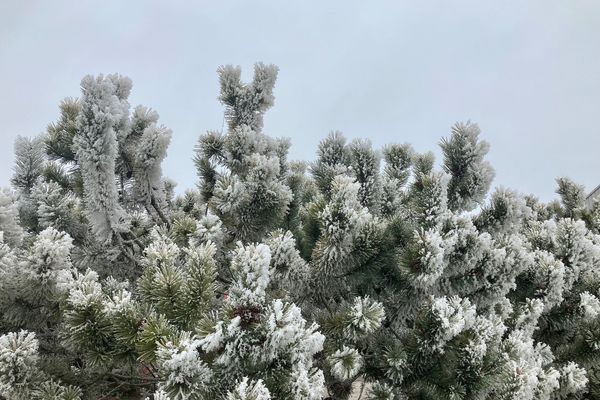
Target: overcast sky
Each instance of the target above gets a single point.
(528, 72)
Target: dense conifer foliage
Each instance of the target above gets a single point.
(367, 270)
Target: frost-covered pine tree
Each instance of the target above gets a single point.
(121, 291)
(446, 285)
(367, 271)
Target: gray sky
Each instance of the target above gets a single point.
(528, 72)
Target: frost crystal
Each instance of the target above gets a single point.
(150, 151)
(453, 315)
(52, 249)
(54, 207)
(527, 319)
(505, 213)
(159, 395)
(284, 254)
(252, 273)
(308, 385)
(161, 250)
(366, 315)
(12, 233)
(431, 252)
(345, 363)
(291, 272)
(249, 390)
(431, 202)
(210, 229)
(18, 359)
(487, 332)
(343, 219)
(286, 330)
(83, 289)
(549, 276)
(528, 366)
(183, 370)
(590, 305)
(118, 302)
(573, 379)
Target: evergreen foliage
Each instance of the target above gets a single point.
(277, 279)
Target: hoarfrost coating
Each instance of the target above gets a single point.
(285, 279)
